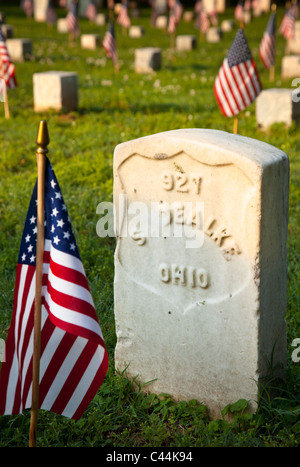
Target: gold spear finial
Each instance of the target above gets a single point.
(42, 139)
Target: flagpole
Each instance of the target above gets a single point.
(272, 67)
(42, 143)
(6, 106)
(236, 121)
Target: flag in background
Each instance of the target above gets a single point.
(50, 13)
(7, 68)
(27, 6)
(109, 43)
(202, 21)
(267, 45)
(287, 24)
(73, 361)
(237, 83)
(72, 18)
(239, 11)
(175, 15)
(91, 11)
(123, 17)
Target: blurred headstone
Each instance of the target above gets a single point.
(55, 90)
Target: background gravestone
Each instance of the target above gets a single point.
(201, 320)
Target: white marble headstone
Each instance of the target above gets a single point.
(200, 264)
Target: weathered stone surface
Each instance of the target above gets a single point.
(277, 105)
(55, 90)
(19, 49)
(214, 34)
(90, 41)
(227, 25)
(8, 31)
(136, 31)
(161, 22)
(200, 304)
(293, 44)
(100, 19)
(290, 66)
(40, 10)
(62, 26)
(186, 42)
(147, 59)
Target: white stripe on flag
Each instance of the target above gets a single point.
(88, 375)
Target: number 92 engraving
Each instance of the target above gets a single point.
(181, 182)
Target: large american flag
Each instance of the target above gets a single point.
(73, 361)
(72, 18)
(7, 68)
(287, 25)
(109, 43)
(237, 83)
(123, 17)
(267, 45)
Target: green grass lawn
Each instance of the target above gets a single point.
(114, 108)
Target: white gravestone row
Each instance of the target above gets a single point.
(200, 264)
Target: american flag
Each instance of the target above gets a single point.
(123, 17)
(91, 11)
(237, 83)
(72, 18)
(7, 68)
(50, 13)
(175, 15)
(109, 43)
(27, 6)
(287, 24)
(267, 45)
(247, 5)
(73, 360)
(239, 11)
(202, 21)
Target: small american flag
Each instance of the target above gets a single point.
(123, 17)
(109, 43)
(287, 24)
(175, 15)
(267, 45)
(72, 19)
(239, 11)
(202, 21)
(50, 13)
(73, 360)
(7, 68)
(91, 11)
(27, 6)
(237, 83)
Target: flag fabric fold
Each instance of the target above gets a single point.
(237, 84)
(175, 15)
(91, 11)
(73, 360)
(72, 19)
(123, 17)
(7, 68)
(287, 25)
(109, 43)
(267, 45)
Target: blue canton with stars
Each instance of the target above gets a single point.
(239, 51)
(58, 227)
